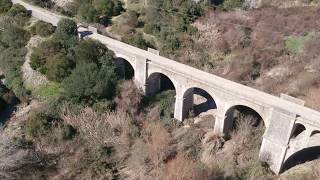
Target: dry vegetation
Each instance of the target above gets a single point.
(124, 144)
(271, 49)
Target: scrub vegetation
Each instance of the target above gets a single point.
(89, 122)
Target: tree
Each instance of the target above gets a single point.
(136, 40)
(90, 51)
(5, 5)
(58, 67)
(43, 29)
(67, 27)
(232, 4)
(89, 83)
(40, 54)
(15, 36)
(43, 3)
(18, 10)
(88, 13)
(108, 8)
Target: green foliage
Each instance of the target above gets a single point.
(152, 28)
(58, 67)
(232, 4)
(295, 44)
(165, 100)
(86, 68)
(170, 42)
(88, 13)
(171, 22)
(18, 10)
(14, 36)
(189, 142)
(136, 40)
(98, 11)
(55, 57)
(5, 5)
(67, 27)
(14, 81)
(108, 8)
(91, 51)
(38, 125)
(49, 91)
(43, 3)
(41, 125)
(89, 83)
(42, 29)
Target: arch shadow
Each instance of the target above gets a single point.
(297, 130)
(159, 87)
(302, 156)
(158, 82)
(124, 68)
(235, 114)
(198, 101)
(315, 133)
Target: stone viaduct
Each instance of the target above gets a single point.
(291, 128)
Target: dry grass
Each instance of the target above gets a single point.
(18, 160)
(104, 129)
(129, 98)
(182, 168)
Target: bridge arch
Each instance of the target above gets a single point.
(236, 113)
(198, 100)
(157, 82)
(315, 132)
(129, 59)
(297, 130)
(125, 68)
(302, 156)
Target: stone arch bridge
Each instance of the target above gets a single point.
(291, 128)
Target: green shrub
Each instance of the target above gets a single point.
(104, 106)
(165, 100)
(18, 10)
(15, 37)
(38, 125)
(89, 83)
(49, 91)
(88, 13)
(91, 51)
(151, 28)
(43, 3)
(136, 40)
(5, 5)
(232, 4)
(295, 44)
(58, 67)
(67, 27)
(42, 29)
(170, 42)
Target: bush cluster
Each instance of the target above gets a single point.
(42, 29)
(13, 39)
(85, 68)
(97, 11)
